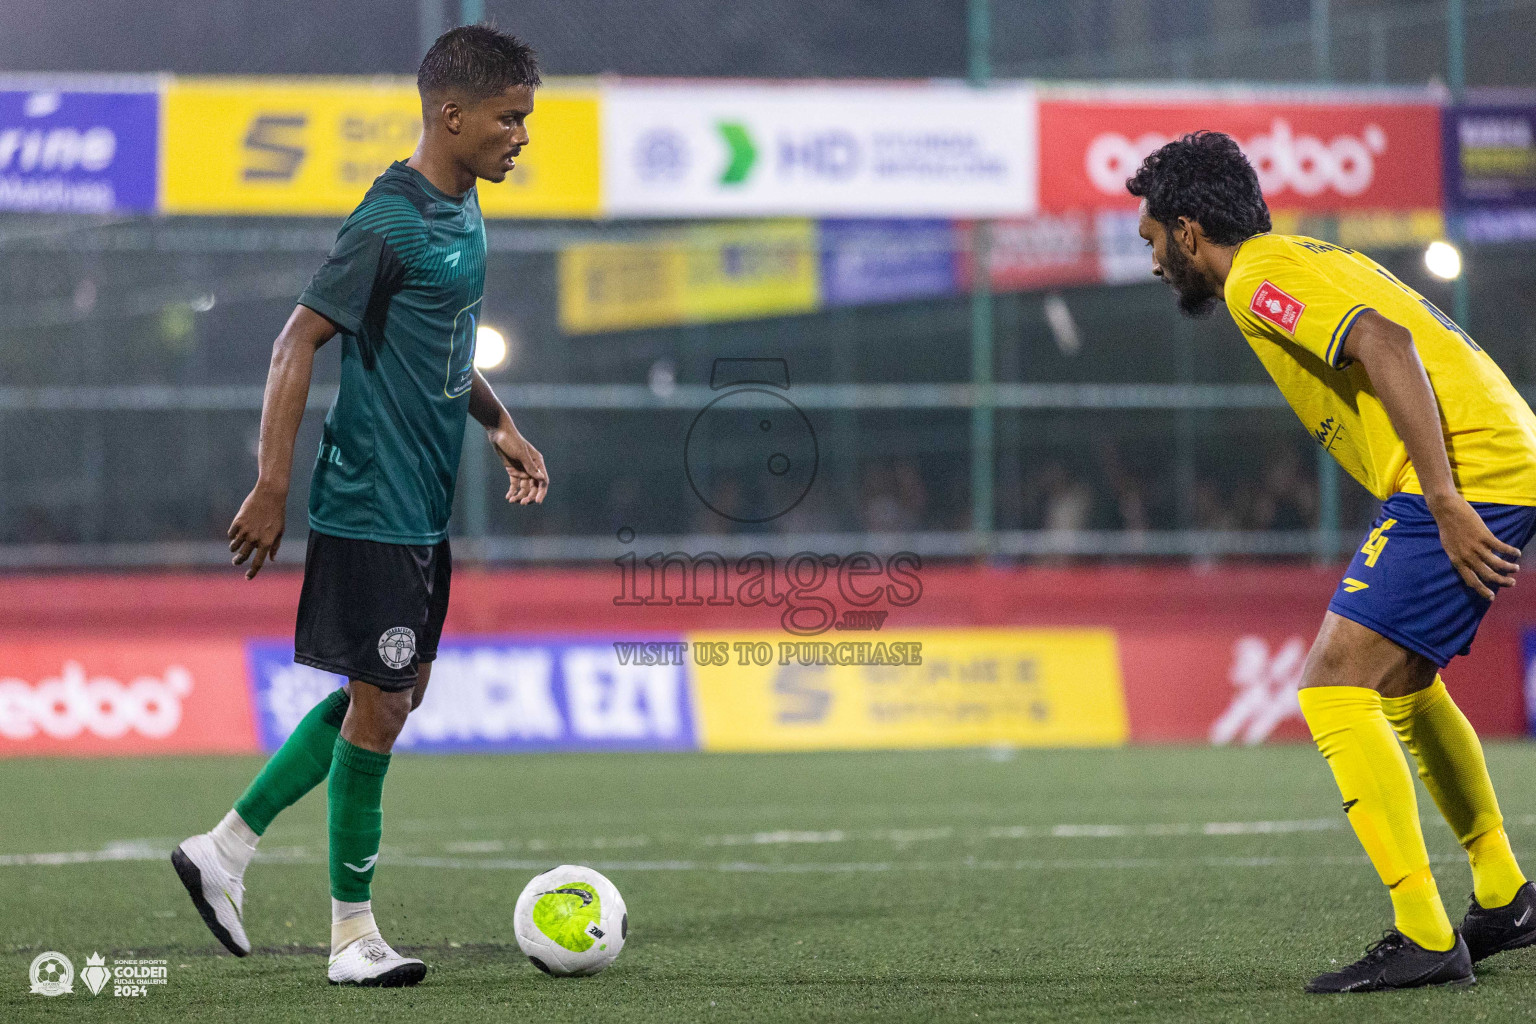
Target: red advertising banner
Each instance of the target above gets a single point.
(95, 695)
(1318, 157)
(1227, 685)
(1042, 251)
(1206, 656)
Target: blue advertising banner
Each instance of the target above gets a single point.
(1528, 643)
(1490, 170)
(867, 261)
(67, 151)
(504, 695)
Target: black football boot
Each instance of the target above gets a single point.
(1396, 961)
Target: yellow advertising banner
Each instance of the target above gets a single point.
(619, 286)
(698, 274)
(910, 689)
(287, 146)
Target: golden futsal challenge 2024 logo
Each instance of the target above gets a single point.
(53, 974)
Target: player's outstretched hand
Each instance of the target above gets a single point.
(258, 528)
(1484, 561)
(525, 466)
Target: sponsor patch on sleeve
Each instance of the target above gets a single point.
(1278, 308)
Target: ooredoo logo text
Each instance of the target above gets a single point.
(78, 702)
(1283, 157)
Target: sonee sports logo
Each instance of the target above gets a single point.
(397, 646)
(95, 974)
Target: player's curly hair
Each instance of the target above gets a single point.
(1203, 176)
(477, 61)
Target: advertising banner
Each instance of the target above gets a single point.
(965, 688)
(1528, 659)
(313, 146)
(1321, 156)
(1214, 680)
(1490, 170)
(686, 150)
(1217, 685)
(1043, 251)
(98, 696)
(503, 695)
(1079, 656)
(868, 261)
(73, 151)
(700, 274)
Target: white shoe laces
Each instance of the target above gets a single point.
(374, 950)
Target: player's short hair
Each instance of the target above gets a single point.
(477, 61)
(1203, 176)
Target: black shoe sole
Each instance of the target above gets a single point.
(1452, 983)
(193, 880)
(1466, 982)
(401, 977)
(1518, 942)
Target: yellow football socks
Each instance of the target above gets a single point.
(1355, 737)
(1496, 875)
(1451, 764)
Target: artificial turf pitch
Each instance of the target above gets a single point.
(1124, 885)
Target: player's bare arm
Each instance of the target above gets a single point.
(258, 527)
(1385, 349)
(524, 464)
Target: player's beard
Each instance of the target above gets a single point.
(1196, 296)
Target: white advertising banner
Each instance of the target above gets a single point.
(827, 150)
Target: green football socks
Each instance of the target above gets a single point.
(356, 818)
(300, 764)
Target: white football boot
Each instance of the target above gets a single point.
(367, 959)
(216, 891)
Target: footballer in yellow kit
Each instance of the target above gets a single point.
(1415, 410)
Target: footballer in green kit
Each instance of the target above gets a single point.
(402, 287)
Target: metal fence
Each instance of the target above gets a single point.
(133, 354)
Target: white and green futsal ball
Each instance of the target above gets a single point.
(571, 921)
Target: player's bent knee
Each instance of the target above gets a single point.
(1328, 664)
(388, 716)
(378, 715)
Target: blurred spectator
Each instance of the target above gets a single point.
(814, 513)
(726, 496)
(1126, 503)
(1287, 494)
(893, 498)
(1066, 504)
(1211, 509)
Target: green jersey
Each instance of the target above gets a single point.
(403, 285)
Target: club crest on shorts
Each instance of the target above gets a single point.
(397, 646)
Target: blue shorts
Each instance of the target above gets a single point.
(1402, 585)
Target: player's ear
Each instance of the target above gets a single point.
(1189, 233)
(453, 115)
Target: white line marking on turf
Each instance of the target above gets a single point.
(159, 849)
(906, 836)
(1209, 828)
(126, 852)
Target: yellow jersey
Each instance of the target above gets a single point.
(1295, 298)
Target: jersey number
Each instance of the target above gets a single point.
(1434, 311)
(1376, 543)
